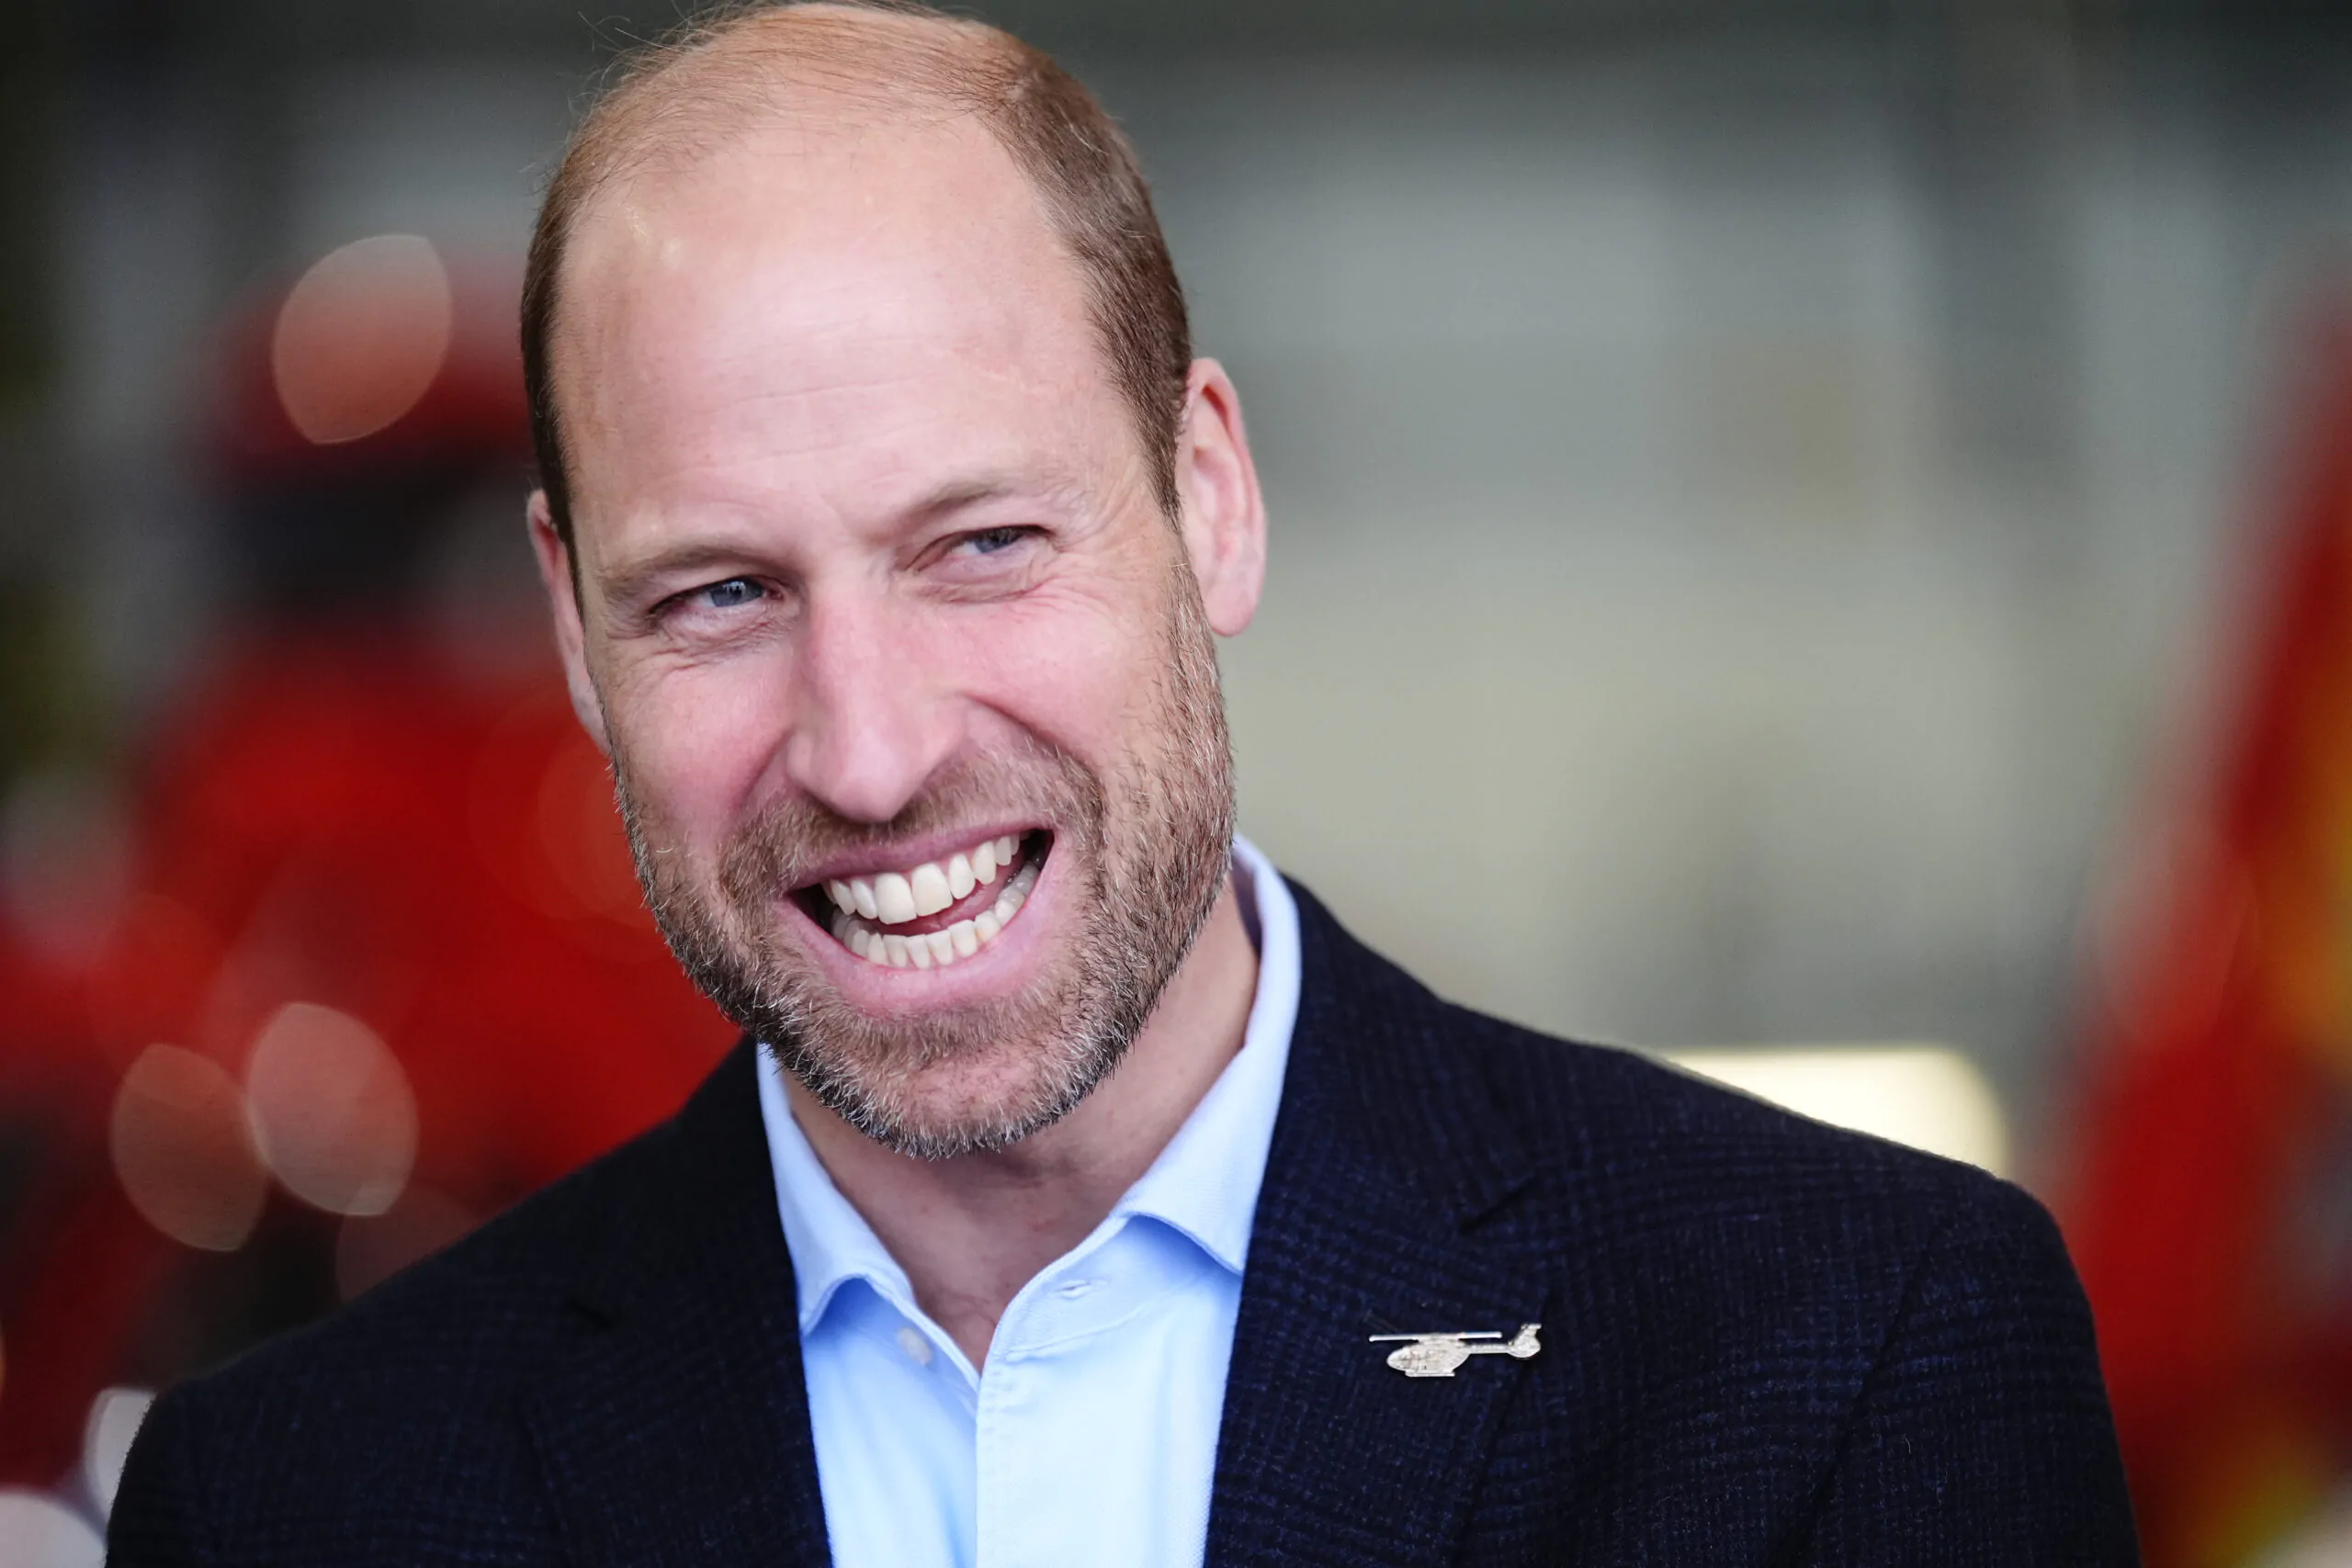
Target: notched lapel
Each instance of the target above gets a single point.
(672, 1444)
(1385, 1157)
(679, 1431)
(1327, 1454)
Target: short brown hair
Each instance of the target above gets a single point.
(726, 68)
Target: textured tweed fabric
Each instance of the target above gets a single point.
(1765, 1342)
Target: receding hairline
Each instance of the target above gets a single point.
(892, 64)
(829, 64)
(731, 80)
(762, 160)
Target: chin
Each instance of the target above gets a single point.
(951, 1109)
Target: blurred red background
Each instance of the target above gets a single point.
(354, 954)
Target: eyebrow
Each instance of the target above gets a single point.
(955, 496)
(958, 495)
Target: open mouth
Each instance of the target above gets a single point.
(932, 915)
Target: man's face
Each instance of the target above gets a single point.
(905, 675)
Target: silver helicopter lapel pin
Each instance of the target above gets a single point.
(1438, 1355)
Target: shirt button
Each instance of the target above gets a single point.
(917, 1348)
(1075, 1288)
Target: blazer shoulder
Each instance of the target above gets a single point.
(1741, 1213)
(1617, 1109)
(413, 1404)
(1927, 1306)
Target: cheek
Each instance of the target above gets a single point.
(1074, 669)
(696, 741)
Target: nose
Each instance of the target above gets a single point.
(872, 716)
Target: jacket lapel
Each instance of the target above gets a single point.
(1367, 1223)
(678, 1432)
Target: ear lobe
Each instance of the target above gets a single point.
(1224, 514)
(571, 634)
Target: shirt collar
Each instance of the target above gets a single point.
(1204, 1185)
(1206, 1181)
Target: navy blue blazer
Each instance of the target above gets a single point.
(1765, 1342)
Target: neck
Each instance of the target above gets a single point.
(970, 1232)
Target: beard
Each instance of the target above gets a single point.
(1142, 852)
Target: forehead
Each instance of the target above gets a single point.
(821, 299)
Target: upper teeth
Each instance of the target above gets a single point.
(894, 898)
(937, 950)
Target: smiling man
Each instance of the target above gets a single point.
(1082, 1194)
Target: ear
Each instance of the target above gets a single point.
(571, 635)
(1224, 517)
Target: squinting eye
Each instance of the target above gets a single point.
(735, 591)
(995, 539)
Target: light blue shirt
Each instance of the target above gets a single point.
(1091, 1436)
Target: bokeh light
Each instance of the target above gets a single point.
(181, 1151)
(361, 337)
(331, 1110)
(2324, 1541)
(114, 1421)
(38, 1531)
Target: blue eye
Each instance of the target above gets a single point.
(994, 539)
(733, 592)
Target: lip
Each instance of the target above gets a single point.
(910, 853)
(997, 969)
